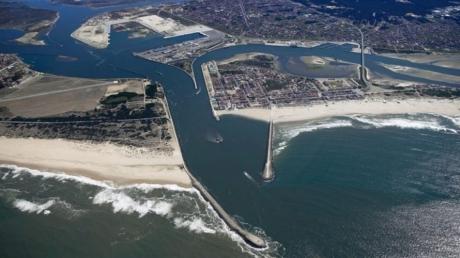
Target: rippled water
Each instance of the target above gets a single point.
(46, 211)
(345, 187)
(369, 186)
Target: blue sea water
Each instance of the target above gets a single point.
(376, 10)
(345, 186)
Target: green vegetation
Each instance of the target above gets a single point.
(263, 61)
(275, 85)
(225, 72)
(442, 93)
(119, 98)
(151, 89)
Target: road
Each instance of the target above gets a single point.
(55, 92)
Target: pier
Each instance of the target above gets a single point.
(362, 68)
(193, 75)
(247, 236)
(267, 174)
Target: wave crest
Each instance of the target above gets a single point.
(286, 132)
(427, 123)
(121, 202)
(196, 225)
(31, 207)
(170, 201)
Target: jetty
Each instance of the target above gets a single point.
(363, 74)
(267, 174)
(248, 237)
(193, 75)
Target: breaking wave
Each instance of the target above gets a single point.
(438, 123)
(61, 177)
(31, 207)
(428, 123)
(185, 208)
(123, 203)
(287, 132)
(196, 225)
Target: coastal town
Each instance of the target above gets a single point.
(253, 81)
(312, 20)
(210, 128)
(256, 83)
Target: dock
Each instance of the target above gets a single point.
(267, 174)
(209, 88)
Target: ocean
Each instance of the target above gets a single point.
(48, 215)
(344, 186)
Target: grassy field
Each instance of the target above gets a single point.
(51, 95)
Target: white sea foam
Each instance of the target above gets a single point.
(195, 225)
(146, 188)
(123, 203)
(454, 120)
(31, 207)
(294, 131)
(17, 171)
(427, 122)
(288, 132)
(405, 123)
(5, 176)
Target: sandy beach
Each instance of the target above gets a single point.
(104, 161)
(342, 108)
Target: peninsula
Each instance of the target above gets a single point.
(120, 131)
(140, 21)
(32, 21)
(252, 86)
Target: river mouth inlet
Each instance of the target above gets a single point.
(334, 175)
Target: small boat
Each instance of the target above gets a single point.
(219, 139)
(248, 176)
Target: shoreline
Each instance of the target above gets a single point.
(121, 165)
(352, 107)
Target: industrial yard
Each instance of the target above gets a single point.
(184, 52)
(96, 31)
